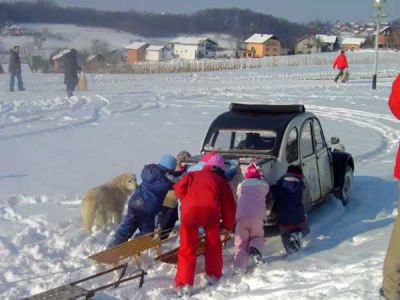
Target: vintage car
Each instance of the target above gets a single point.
(276, 136)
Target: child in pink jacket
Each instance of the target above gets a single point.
(250, 218)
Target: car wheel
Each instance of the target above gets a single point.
(344, 193)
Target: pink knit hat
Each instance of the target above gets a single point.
(206, 157)
(216, 160)
(253, 172)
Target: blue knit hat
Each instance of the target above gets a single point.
(168, 161)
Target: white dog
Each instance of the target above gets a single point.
(105, 204)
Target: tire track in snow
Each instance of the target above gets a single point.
(380, 123)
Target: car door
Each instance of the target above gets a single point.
(309, 161)
(323, 159)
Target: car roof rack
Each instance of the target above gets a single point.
(266, 108)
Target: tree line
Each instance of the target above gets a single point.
(236, 22)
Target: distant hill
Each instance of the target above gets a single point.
(237, 22)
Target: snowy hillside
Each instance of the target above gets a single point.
(53, 149)
(60, 36)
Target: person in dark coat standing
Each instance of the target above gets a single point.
(146, 202)
(71, 69)
(340, 63)
(14, 67)
(391, 266)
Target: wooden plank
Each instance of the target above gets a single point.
(127, 249)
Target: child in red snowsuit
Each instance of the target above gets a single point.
(206, 198)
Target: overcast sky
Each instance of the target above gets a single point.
(292, 10)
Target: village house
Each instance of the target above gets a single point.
(193, 47)
(351, 43)
(58, 61)
(328, 43)
(115, 56)
(14, 30)
(260, 45)
(155, 53)
(308, 44)
(385, 38)
(95, 62)
(136, 52)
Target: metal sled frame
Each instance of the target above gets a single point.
(73, 291)
(132, 248)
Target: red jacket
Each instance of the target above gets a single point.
(340, 62)
(206, 198)
(394, 104)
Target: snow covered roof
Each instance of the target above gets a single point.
(190, 40)
(353, 41)
(136, 45)
(154, 48)
(384, 29)
(60, 54)
(259, 38)
(328, 39)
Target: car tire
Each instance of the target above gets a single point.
(344, 193)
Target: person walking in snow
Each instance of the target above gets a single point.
(250, 217)
(169, 211)
(391, 266)
(14, 67)
(206, 198)
(340, 63)
(71, 69)
(145, 203)
(289, 209)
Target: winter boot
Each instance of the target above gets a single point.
(183, 291)
(295, 241)
(211, 280)
(255, 256)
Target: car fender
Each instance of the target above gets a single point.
(340, 162)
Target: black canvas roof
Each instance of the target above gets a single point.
(257, 117)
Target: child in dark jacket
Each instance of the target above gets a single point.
(289, 209)
(145, 203)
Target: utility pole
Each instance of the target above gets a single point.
(378, 15)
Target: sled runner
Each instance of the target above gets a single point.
(132, 248)
(171, 257)
(74, 291)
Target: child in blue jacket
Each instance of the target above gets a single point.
(289, 209)
(146, 202)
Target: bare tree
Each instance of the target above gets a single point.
(100, 47)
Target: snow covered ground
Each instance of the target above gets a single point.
(53, 149)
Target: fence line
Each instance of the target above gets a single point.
(203, 65)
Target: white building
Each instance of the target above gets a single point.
(155, 53)
(194, 47)
(328, 42)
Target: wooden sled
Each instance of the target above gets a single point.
(74, 291)
(132, 248)
(171, 257)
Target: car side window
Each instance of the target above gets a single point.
(292, 153)
(306, 140)
(318, 134)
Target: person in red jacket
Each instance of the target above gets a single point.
(340, 63)
(391, 266)
(206, 198)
